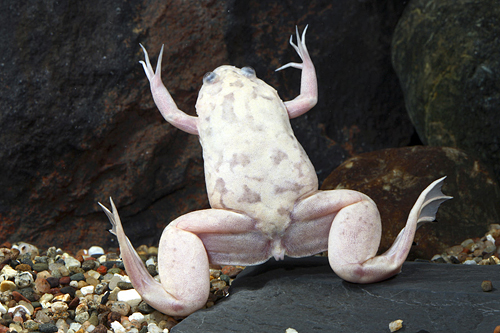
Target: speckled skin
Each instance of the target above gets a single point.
(264, 194)
(259, 168)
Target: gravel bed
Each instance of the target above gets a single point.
(474, 251)
(54, 291)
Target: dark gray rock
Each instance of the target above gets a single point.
(78, 122)
(447, 56)
(395, 177)
(306, 295)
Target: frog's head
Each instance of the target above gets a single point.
(230, 83)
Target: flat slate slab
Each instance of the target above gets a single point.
(306, 295)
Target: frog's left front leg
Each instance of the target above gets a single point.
(308, 85)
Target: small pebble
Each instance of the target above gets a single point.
(124, 285)
(96, 251)
(77, 277)
(7, 286)
(396, 325)
(118, 328)
(23, 279)
(130, 296)
(87, 290)
(48, 328)
(486, 285)
(122, 308)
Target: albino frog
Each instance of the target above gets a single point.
(264, 194)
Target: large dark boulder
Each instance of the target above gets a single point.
(447, 56)
(78, 123)
(395, 177)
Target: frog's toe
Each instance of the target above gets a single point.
(146, 64)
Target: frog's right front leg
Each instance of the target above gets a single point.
(164, 101)
(186, 246)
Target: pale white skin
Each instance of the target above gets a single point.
(264, 194)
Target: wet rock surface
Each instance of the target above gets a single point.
(446, 54)
(394, 178)
(306, 295)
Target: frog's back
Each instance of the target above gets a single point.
(253, 162)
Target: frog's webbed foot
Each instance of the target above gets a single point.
(353, 223)
(308, 86)
(162, 98)
(177, 297)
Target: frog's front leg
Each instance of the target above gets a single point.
(164, 101)
(355, 232)
(308, 85)
(186, 246)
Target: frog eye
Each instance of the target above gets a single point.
(210, 77)
(248, 72)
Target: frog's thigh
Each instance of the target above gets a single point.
(345, 222)
(228, 237)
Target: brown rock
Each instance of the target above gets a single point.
(23, 267)
(100, 329)
(113, 316)
(74, 303)
(231, 271)
(65, 280)
(394, 178)
(18, 297)
(486, 285)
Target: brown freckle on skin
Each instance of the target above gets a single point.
(249, 196)
(239, 159)
(298, 166)
(228, 107)
(278, 157)
(294, 187)
(220, 187)
(237, 83)
(283, 211)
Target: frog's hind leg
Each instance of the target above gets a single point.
(355, 231)
(180, 296)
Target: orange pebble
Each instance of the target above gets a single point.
(102, 270)
(497, 329)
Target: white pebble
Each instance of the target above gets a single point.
(130, 296)
(114, 281)
(136, 316)
(90, 328)
(70, 262)
(87, 290)
(75, 326)
(150, 262)
(94, 274)
(74, 284)
(102, 259)
(95, 250)
(23, 279)
(153, 328)
(490, 238)
(470, 262)
(82, 317)
(3, 309)
(118, 328)
(8, 272)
